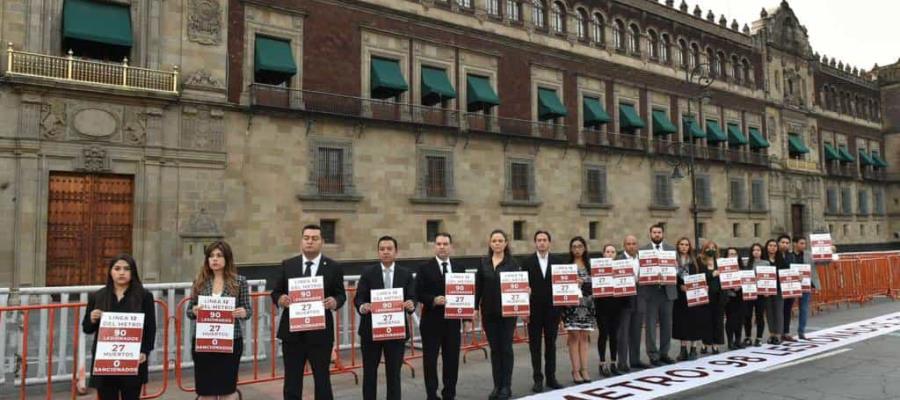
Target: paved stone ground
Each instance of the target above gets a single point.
(871, 370)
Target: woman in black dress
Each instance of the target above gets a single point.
(215, 374)
(688, 323)
(123, 293)
(734, 308)
(498, 329)
(608, 311)
(715, 335)
(579, 320)
(755, 309)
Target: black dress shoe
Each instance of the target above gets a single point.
(621, 370)
(757, 342)
(747, 342)
(693, 355)
(605, 370)
(803, 337)
(613, 369)
(667, 360)
(553, 384)
(656, 363)
(494, 393)
(504, 394)
(538, 387)
(715, 350)
(704, 350)
(683, 354)
(639, 365)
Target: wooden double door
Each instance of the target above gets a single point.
(90, 218)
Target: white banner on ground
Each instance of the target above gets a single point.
(667, 380)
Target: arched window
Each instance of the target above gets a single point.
(597, 29)
(635, 39)
(736, 69)
(720, 60)
(619, 34)
(537, 13)
(835, 100)
(665, 49)
(514, 10)
(558, 17)
(695, 56)
(581, 23)
(747, 72)
(654, 44)
(682, 56)
(712, 65)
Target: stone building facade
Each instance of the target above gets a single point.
(247, 119)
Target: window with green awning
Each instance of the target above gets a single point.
(796, 145)
(479, 93)
(436, 86)
(629, 120)
(273, 60)
(831, 154)
(97, 29)
(714, 132)
(692, 129)
(757, 140)
(549, 105)
(386, 78)
(661, 123)
(879, 162)
(594, 114)
(735, 136)
(846, 157)
(864, 158)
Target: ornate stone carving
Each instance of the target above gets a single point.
(135, 127)
(202, 79)
(53, 119)
(94, 159)
(202, 224)
(202, 129)
(204, 22)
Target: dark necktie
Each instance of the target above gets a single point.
(444, 266)
(308, 270)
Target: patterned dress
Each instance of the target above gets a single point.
(581, 317)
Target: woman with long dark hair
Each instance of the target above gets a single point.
(688, 323)
(755, 309)
(775, 303)
(579, 320)
(124, 293)
(498, 329)
(734, 308)
(608, 311)
(706, 261)
(215, 374)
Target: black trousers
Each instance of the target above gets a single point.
(734, 319)
(442, 337)
(113, 392)
(755, 309)
(543, 329)
(296, 354)
(393, 361)
(608, 320)
(788, 306)
(499, 333)
(716, 333)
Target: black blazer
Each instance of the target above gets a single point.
(332, 281)
(148, 338)
(430, 283)
(372, 278)
(487, 285)
(541, 299)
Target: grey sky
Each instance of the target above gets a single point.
(859, 32)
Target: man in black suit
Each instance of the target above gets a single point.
(438, 334)
(315, 346)
(659, 301)
(543, 319)
(385, 275)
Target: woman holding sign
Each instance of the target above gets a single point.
(775, 303)
(608, 311)
(579, 320)
(734, 308)
(688, 323)
(121, 315)
(754, 309)
(715, 335)
(489, 299)
(220, 301)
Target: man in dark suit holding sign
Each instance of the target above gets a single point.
(543, 321)
(439, 334)
(658, 300)
(384, 275)
(316, 345)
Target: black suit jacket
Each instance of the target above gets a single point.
(487, 285)
(430, 283)
(372, 278)
(333, 282)
(541, 300)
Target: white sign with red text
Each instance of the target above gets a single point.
(459, 291)
(307, 312)
(388, 319)
(603, 283)
(215, 324)
(119, 344)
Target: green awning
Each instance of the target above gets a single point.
(831, 153)
(714, 132)
(273, 60)
(879, 162)
(628, 118)
(387, 79)
(549, 106)
(594, 114)
(757, 140)
(661, 123)
(97, 21)
(692, 128)
(846, 157)
(735, 136)
(480, 94)
(796, 145)
(864, 158)
(436, 87)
